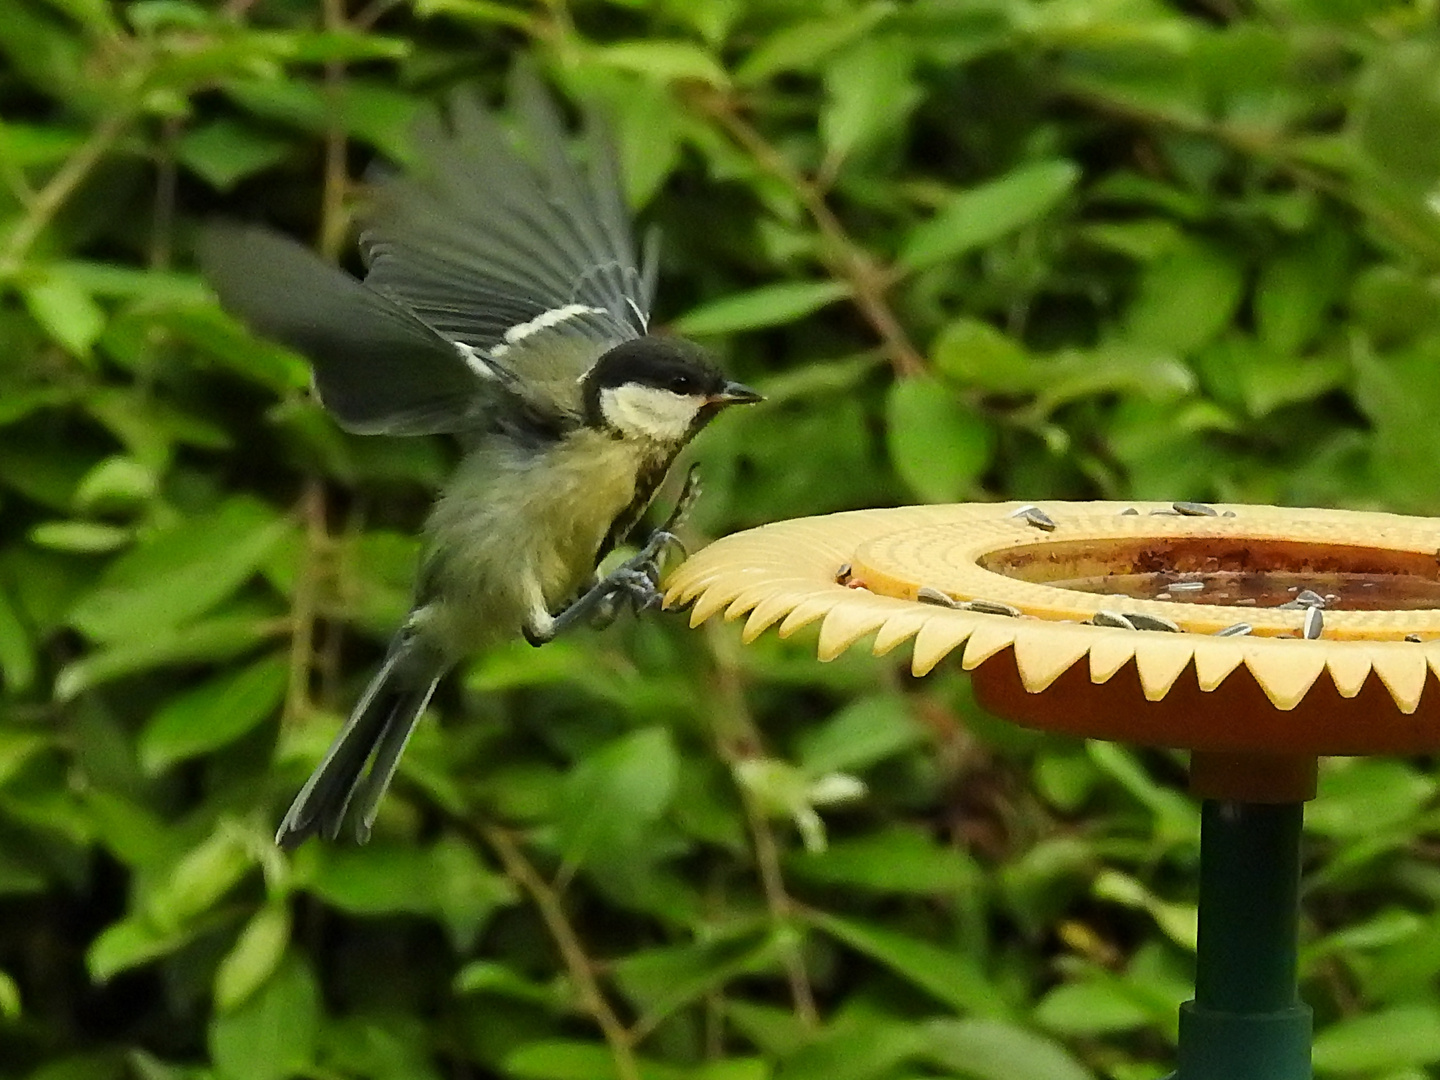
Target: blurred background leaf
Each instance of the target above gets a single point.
(996, 249)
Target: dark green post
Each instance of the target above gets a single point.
(1247, 1021)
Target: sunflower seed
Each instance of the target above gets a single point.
(1239, 629)
(992, 607)
(1129, 511)
(1306, 598)
(1033, 515)
(926, 595)
(1111, 618)
(1314, 623)
(1186, 586)
(1416, 638)
(1228, 513)
(1195, 509)
(843, 574)
(1164, 513)
(1141, 621)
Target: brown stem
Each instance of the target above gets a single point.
(572, 950)
(332, 199)
(868, 281)
(162, 223)
(304, 608)
(740, 742)
(49, 199)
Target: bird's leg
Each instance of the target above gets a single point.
(637, 579)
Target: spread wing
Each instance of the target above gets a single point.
(378, 367)
(518, 253)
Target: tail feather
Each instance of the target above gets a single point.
(375, 733)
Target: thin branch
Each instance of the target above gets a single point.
(48, 201)
(572, 950)
(1421, 242)
(849, 260)
(744, 741)
(162, 217)
(305, 608)
(337, 180)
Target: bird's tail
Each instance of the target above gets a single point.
(375, 734)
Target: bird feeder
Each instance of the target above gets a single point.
(1257, 638)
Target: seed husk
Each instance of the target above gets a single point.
(926, 595)
(1314, 623)
(1033, 515)
(1195, 509)
(843, 574)
(1129, 511)
(1142, 621)
(1186, 586)
(1239, 629)
(992, 607)
(1112, 618)
(1416, 638)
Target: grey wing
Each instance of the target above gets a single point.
(378, 368)
(525, 257)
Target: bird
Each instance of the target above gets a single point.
(503, 303)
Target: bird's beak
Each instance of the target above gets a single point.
(735, 393)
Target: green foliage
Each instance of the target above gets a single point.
(989, 249)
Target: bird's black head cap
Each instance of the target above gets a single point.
(666, 363)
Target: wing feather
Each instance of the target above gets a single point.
(485, 240)
(378, 368)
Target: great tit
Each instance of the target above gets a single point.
(503, 303)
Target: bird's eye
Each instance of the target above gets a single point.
(682, 384)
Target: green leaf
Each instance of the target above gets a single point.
(560, 1059)
(984, 214)
(613, 795)
(942, 973)
(756, 309)
(226, 151)
(254, 957)
(860, 1047)
(129, 943)
(1360, 797)
(213, 715)
(974, 353)
(17, 652)
(272, 1035)
(1397, 112)
(202, 876)
(1377, 1042)
(180, 573)
(220, 638)
(996, 1050)
(1186, 298)
(862, 733)
(1089, 1009)
(660, 981)
(445, 881)
(489, 977)
(870, 92)
(899, 859)
(66, 311)
(800, 46)
(10, 1004)
(80, 537)
(664, 61)
(937, 445)
(116, 484)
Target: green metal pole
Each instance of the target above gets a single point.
(1247, 1021)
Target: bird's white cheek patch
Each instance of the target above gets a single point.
(649, 412)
